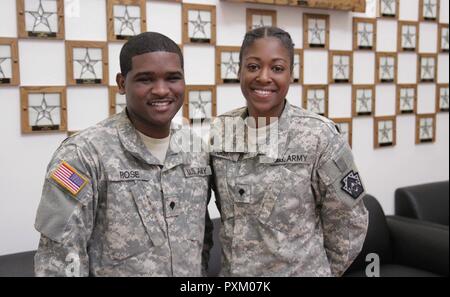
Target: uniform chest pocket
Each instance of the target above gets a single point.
(287, 199)
(133, 226)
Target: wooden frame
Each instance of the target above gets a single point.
(419, 127)
(300, 73)
(388, 15)
(378, 65)
(401, 36)
(185, 23)
(307, 88)
(442, 93)
(71, 80)
(112, 94)
(349, 5)
(306, 18)
(422, 11)
(441, 47)
(348, 121)
(200, 88)
(260, 12)
(129, 20)
(14, 80)
(356, 34)
(420, 77)
(234, 66)
(377, 122)
(355, 90)
(332, 75)
(399, 106)
(43, 112)
(21, 21)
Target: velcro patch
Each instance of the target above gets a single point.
(352, 185)
(197, 171)
(66, 176)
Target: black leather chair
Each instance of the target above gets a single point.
(17, 265)
(426, 202)
(406, 247)
(215, 254)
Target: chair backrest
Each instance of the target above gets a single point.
(427, 202)
(377, 238)
(17, 265)
(215, 254)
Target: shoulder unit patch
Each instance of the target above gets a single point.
(351, 184)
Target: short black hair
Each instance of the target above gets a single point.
(147, 42)
(262, 32)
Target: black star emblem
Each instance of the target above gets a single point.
(444, 98)
(199, 26)
(385, 133)
(425, 128)
(387, 69)
(126, 21)
(364, 102)
(316, 33)
(315, 103)
(365, 36)
(341, 69)
(2, 59)
(389, 8)
(87, 64)
(231, 67)
(427, 68)
(199, 106)
(409, 38)
(41, 17)
(429, 6)
(44, 111)
(406, 99)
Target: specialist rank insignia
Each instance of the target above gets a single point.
(351, 184)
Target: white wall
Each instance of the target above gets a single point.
(23, 158)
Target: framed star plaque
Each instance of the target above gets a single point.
(87, 63)
(200, 103)
(406, 99)
(340, 67)
(315, 99)
(442, 98)
(126, 18)
(43, 109)
(363, 100)
(364, 34)
(9, 62)
(257, 18)
(386, 68)
(425, 128)
(443, 38)
(429, 10)
(316, 31)
(117, 101)
(427, 64)
(297, 72)
(199, 24)
(345, 126)
(227, 64)
(388, 8)
(408, 36)
(385, 132)
(40, 18)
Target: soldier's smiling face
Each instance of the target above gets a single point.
(265, 76)
(154, 89)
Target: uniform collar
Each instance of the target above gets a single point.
(283, 133)
(133, 143)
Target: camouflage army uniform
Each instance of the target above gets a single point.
(133, 217)
(298, 214)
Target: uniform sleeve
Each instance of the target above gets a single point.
(65, 215)
(343, 215)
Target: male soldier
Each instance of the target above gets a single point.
(121, 198)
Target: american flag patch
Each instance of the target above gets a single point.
(69, 178)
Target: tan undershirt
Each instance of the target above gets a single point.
(157, 147)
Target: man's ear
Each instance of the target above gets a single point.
(120, 80)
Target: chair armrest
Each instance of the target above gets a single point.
(419, 244)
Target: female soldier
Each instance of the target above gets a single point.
(293, 206)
